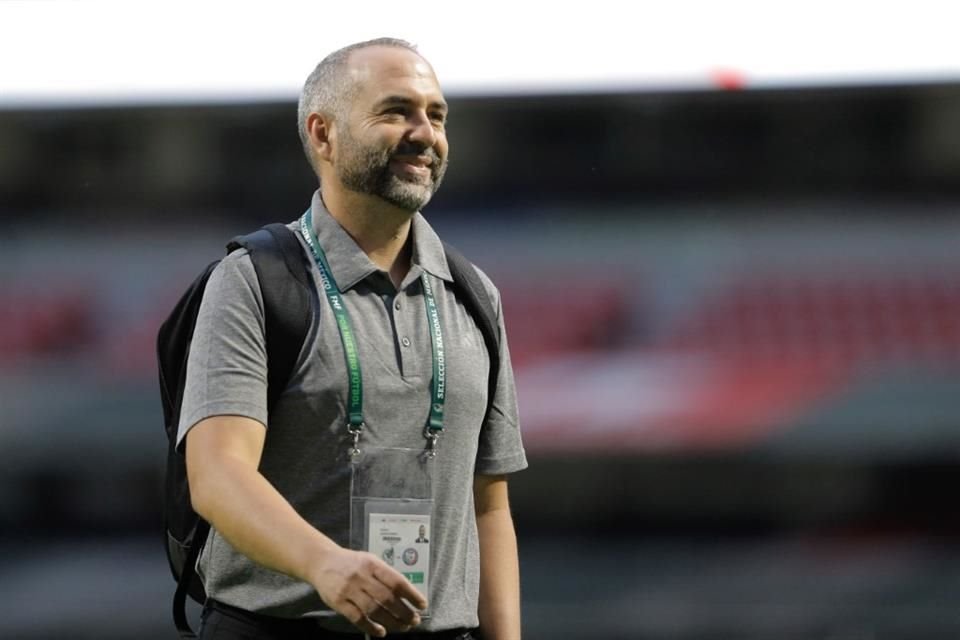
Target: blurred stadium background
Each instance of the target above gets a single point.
(728, 251)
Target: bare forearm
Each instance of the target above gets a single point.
(499, 609)
(249, 512)
(226, 488)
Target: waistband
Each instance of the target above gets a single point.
(308, 627)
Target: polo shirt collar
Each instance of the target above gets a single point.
(428, 253)
(350, 264)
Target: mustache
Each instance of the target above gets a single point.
(416, 149)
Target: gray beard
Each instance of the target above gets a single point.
(368, 171)
(409, 196)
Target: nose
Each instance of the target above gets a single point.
(422, 130)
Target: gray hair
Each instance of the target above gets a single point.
(328, 89)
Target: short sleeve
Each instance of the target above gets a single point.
(501, 446)
(227, 365)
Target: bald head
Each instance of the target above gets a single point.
(332, 85)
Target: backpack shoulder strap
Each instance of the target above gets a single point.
(173, 342)
(480, 306)
(187, 580)
(281, 268)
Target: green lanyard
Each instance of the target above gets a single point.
(355, 422)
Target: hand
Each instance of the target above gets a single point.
(368, 592)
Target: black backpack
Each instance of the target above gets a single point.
(283, 272)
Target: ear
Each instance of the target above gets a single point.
(321, 136)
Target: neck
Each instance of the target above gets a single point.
(381, 230)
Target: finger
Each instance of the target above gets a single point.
(400, 587)
(356, 616)
(400, 611)
(396, 613)
(381, 616)
(412, 598)
(375, 612)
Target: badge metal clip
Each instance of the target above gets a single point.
(432, 436)
(355, 432)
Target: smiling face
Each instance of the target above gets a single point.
(391, 142)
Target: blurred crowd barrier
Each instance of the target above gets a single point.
(733, 318)
(742, 396)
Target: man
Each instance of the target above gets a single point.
(422, 535)
(282, 559)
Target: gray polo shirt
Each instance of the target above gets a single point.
(306, 450)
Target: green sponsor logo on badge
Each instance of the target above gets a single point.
(416, 577)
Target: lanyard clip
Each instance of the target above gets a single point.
(355, 432)
(432, 435)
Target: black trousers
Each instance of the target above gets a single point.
(223, 622)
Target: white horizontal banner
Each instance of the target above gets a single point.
(55, 52)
